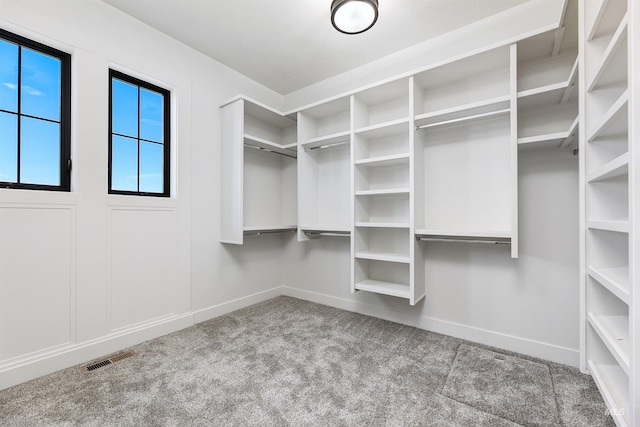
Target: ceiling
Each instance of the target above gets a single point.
(289, 44)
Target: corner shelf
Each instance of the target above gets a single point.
(614, 279)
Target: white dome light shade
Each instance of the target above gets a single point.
(354, 16)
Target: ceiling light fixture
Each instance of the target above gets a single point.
(354, 16)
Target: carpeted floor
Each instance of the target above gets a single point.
(292, 362)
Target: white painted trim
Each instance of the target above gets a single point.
(32, 366)
(524, 346)
(236, 304)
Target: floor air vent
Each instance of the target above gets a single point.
(113, 359)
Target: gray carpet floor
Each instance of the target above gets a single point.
(292, 362)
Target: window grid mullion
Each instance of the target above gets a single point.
(19, 118)
(138, 139)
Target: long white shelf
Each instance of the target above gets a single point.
(390, 160)
(614, 333)
(615, 225)
(618, 107)
(474, 110)
(386, 288)
(613, 384)
(382, 192)
(614, 279)
(263, 144)
(616, 167)
(383, 256)
(614, 44)
(326, 140)
(382, 224)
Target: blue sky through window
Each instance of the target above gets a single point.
(38, 143)
(137, 150)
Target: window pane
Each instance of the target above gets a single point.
(40, 85)
(151, 162)
(39, 152)
(124, 108)
(124, 164)
(151, 115)
(8, 147)
(8, 76)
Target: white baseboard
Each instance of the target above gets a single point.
(236, 304)
(42, 363)
(33, 366)
(520, 345)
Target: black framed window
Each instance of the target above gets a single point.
(139, 137)
(35, 115)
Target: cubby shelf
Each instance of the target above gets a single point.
(616, 167)
(383, 256)
(379, 161)
(382, 192)
(382, 224)
(617, 225)
(386, 288)
(617, 42)
(616, 110)
(614, 333)
(615, 279)
(613, 385)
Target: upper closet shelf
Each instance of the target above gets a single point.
(392, 126)
(558, 139)
(461, 113)
(327, 141)
(616, 167)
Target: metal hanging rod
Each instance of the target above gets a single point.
(464, 119)
(260, 232)
(460, 239)
(334, 144)
(292, 155)
(317, 233)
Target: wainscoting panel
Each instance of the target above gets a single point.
(143, 265)
(37, 278)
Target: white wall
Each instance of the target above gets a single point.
(83, 274)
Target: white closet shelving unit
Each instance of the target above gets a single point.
(465, 113)
(608, 171)
(383, 246)
(548, 91)
(324, 176)
(258, 166)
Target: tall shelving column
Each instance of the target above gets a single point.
(608, 196)
(382, 246)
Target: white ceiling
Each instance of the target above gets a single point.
(289, 44)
